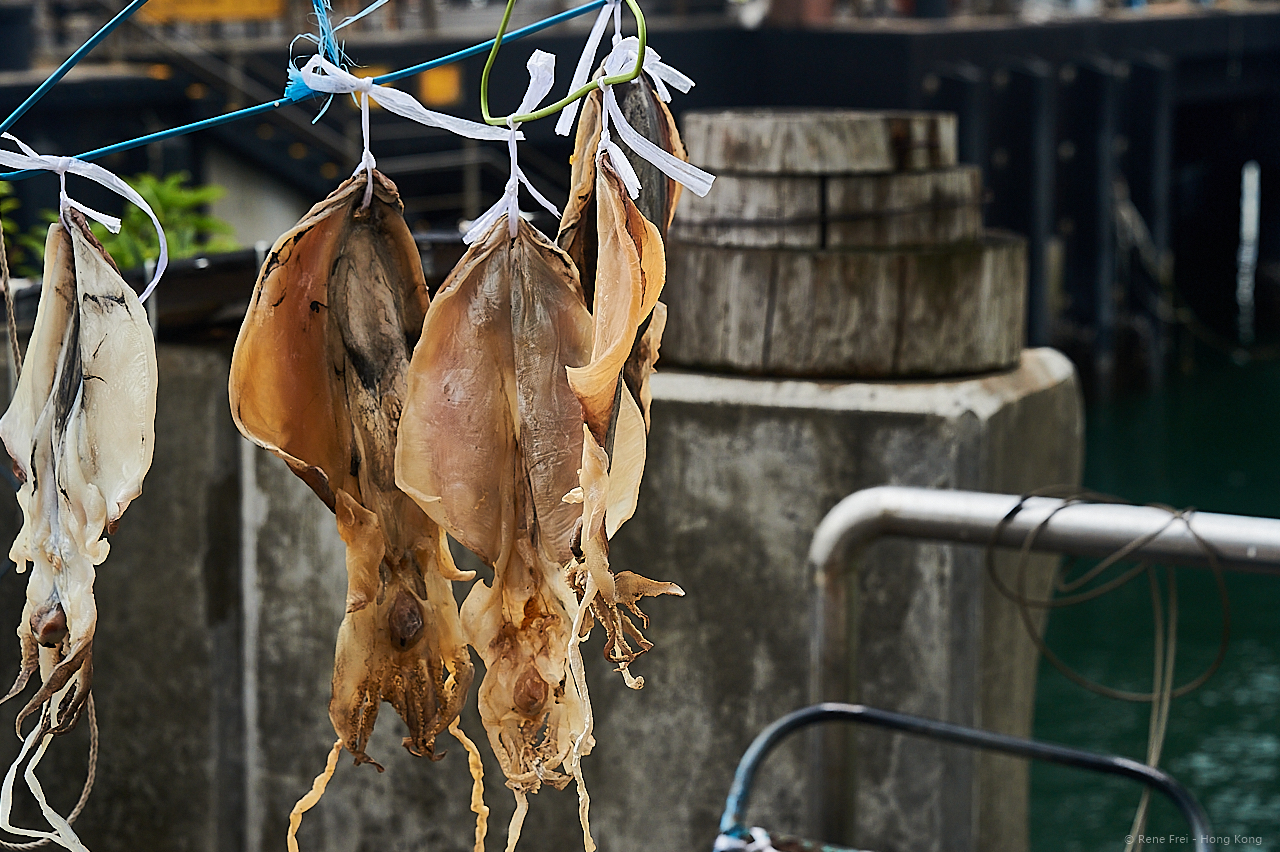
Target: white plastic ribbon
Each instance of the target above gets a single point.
(542, 76)
(583, 69)
(321, 75)
(760, 842)
(623, 56)
(61, 166)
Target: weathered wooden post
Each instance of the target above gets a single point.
(842, 245)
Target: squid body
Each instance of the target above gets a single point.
(318, 377)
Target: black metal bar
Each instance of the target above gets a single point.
(961, 88)
(731, 823)
(1147, 163)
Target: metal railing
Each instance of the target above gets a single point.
(1040, 524)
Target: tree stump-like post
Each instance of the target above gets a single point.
(840, 245)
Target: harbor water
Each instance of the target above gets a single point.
(1209, 438)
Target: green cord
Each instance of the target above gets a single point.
(625, 77)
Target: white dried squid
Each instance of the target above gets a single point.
(80, 431)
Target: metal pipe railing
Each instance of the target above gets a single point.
(1042, 524)
(1077, 529)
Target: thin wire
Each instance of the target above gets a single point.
(1025, 604)
(1165, 649)
(276, 104)
(10, 310)
(617, 79)
(71, 63)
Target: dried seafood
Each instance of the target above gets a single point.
(628, 270)
(319, 378)
(80, 431)
(490, 444)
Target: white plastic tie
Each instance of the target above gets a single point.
(321, 75)
(542, 76)
(585, 62)
(623, 56)
(62, 166)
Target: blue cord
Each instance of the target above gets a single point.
(328, 40)
(70, 63)
(488, 45)
(303, 93)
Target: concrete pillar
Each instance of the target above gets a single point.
(740, 471)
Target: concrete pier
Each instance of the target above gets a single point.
(220, 603)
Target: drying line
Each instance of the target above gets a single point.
(467, 53)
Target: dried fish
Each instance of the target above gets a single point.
(318, 377)
(489, 446)
(80, 431)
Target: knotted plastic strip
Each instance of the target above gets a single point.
(321, 75)
(580, 73)
(542, 76)
(60, 166)
(623, 56)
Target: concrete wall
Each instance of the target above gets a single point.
(257, 205)
(222, 597)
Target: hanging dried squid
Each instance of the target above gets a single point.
(624, 257)
(318, 377)
(489, 446)
(80, 431)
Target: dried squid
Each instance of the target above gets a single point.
(318, 377)
(490, 444)
(624, 256)
(80, 431)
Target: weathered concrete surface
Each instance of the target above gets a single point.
(740, 472)
(221, 600)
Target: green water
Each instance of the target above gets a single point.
(1210, 439)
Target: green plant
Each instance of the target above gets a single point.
(178, 207)
(187, 230)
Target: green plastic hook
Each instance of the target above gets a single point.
(625, 77)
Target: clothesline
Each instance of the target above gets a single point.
(260, 109)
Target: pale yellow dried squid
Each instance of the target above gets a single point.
(626, 262)
(489, 446)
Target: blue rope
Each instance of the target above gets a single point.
(71, 63)
(488, 45)
(328, 39)
(300, 92)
